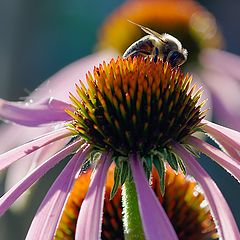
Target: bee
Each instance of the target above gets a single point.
(164, 46)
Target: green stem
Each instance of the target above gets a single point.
(131, 217)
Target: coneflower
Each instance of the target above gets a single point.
(137, 114)
(181, 201)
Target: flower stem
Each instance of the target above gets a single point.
(131, 216)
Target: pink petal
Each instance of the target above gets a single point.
(19, 169)
(232, 152)
(21, 134)
(29, 133)
(156, 223)
(223, 134)
(63, 82)
(223, 217)
(15, 154)
(49, 150)
(223, 142)
(44, 223)
(90, 217)
(49, 111)
(10, 197)
(221, 61)
(225, 97)
(229, 164)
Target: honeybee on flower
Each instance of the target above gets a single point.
(164, 46)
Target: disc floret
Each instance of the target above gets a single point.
(135, 105)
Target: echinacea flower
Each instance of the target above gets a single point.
(188, 21)
(136, 113)
(196, 28)
(181, 201)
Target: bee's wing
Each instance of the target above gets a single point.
(149, 31)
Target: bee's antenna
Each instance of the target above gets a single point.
(149, 31)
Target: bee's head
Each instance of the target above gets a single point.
(177, 58)
(173, 51)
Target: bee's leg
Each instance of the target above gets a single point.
(156, 54)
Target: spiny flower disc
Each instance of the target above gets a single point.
(135, 105)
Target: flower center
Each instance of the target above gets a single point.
(135, 105)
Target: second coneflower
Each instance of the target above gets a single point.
(137, 113)
(182, 202)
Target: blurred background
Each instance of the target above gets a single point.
(38, 38)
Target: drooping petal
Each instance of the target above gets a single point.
(45, 222)
(233, 153)
(223, 134)
(18, 169)
(224, 219)
(155, 222)
(229, 164)
(8, 198)
(15, 154)
(11, 129)
(90, 217)
(49, 111)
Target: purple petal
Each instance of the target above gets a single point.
(15, 154)
(232, 152)
(19, 169)
(90, 217)
(8, 198)
(49, 150)
(49, 111)
(21, 134)
(32, 159)
(223, 134)
(225, 97)
(224, 142)
(156, 223)
(229, 164)
(44, 223)
(223, 217)
(222, 62)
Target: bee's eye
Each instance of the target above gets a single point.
(176, 58)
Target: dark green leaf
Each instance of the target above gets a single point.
(192, 150)
(172, 160)
(181, 165)
(149, 161)
(116, 182)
